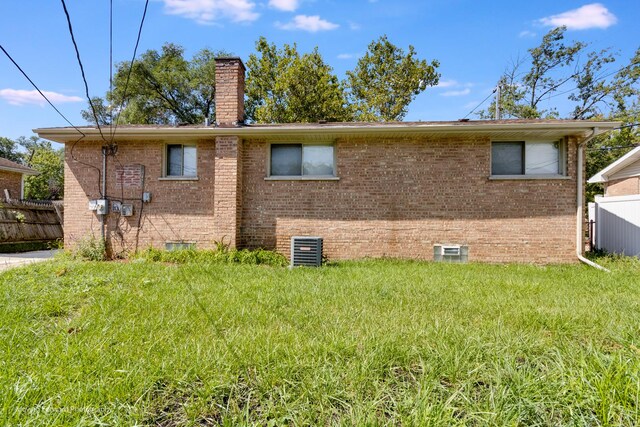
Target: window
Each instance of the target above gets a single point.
(541, 158)
(302, 160)
(181, 160)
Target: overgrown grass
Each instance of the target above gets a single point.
(357, 343)
(220, 255)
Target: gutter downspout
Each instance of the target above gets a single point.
(580, 202)
(104, 191)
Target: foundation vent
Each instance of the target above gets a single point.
(179, 246)
(306, 251)
(450, 253)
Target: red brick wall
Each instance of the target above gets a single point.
(623, 187)
(228, 191)
(229, 90)
(11, 181)
(398, 198)
(180, 210)
(394, 198)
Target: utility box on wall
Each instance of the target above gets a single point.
(127, 209)
(100, 206)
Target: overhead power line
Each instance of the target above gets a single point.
(133, 57)
(84, 78)
(629, 125)
(39, 91)
(111, 60)
(478, 106)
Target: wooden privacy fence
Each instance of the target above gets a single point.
(27, 221)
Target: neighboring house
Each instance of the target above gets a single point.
(508, 190)
(12, 178)
(622, 177)
(617, 213)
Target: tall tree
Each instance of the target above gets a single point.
(586, 81)
(162, 88)
(386, 80)
(9, 149)
(47, 160)
(556, 66)
(282, 85)
(286, 87)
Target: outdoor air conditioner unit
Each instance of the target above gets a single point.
(306, 251)
(451, 253)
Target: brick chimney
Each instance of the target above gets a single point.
(229, 92)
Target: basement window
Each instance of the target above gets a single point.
(302, 160)
(528, 158)
(181, 160)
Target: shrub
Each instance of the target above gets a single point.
(90, 249)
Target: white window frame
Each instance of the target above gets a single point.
(562, 160)
(301, 177)
(165, 159)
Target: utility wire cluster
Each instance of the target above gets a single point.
(84, 79)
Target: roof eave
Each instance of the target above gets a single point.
(603, 176)
(574, 128)
(21, 171)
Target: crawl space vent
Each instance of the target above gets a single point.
(450, 253)
(177, 246)
(306, 251)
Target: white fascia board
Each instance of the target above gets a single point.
(627, 159)
(161, 133)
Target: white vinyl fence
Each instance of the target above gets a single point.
(618, 224)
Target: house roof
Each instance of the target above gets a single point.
(617, 166)
(316, 131)
(10, 166)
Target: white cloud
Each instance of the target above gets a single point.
(455, 87)
(286, 5)
(354, 26)
(593, 15)
(209, 11)
(527, 33)
(462, 92)
(311, 24)
(447, 83)
(347, 56)
(25, 97)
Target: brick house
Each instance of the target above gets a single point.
(509, 190)
(622, 177)
(616, 214)
(12, 178)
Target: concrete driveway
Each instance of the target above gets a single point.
(8, 261)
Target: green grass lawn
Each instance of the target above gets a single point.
(355, 343)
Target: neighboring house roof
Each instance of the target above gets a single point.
(505, 129)
(9, 166)
(616, 170)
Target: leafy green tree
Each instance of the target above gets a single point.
(286, 87)
(9, 149)
(386, 80)
(557, 69)
(555, 66)
(551, 66)
(282, 86)
(49, 185)
(162, 88)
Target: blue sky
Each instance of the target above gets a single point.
(474, 42)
